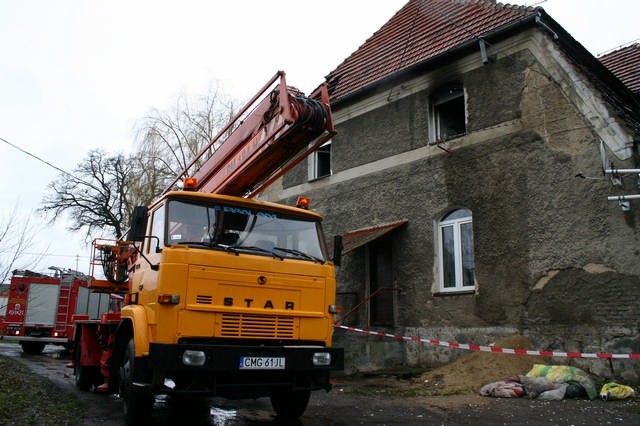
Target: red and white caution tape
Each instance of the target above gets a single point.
(493, 349)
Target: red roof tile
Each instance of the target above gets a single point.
(419, 31)
(625, 64)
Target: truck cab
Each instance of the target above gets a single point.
(229, 297)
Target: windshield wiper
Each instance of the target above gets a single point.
(209, 245)
(194, 243)
(259, 249)
(300, 254)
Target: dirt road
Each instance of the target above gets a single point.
(370, 400)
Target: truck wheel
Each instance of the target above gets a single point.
(290, 405)
(137, 405)
(32, 348)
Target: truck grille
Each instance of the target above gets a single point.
(257, 326)
(204, 299)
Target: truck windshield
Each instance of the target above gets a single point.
(242, 230)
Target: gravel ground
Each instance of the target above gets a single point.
(391, 398)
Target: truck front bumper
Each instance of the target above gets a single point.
(241, 371)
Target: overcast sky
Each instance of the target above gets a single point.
(77, 75)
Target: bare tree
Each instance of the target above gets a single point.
(169, 140)
(150, 176)
(101, 193)
(95, 196)
(17, 238)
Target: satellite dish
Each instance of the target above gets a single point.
(604, 158)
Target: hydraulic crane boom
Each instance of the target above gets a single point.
(273, 132)
(267, 138)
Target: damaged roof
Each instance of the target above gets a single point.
(624, 63)
(421, 30)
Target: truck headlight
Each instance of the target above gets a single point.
(193, 358)
(321, 359)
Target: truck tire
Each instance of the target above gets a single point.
(32, 348)
(137, 405)
(290, 405)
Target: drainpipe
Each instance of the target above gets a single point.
(483, 52)
(546, 27)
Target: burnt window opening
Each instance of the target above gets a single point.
(448, 119)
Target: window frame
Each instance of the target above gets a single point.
(157, 229)
(456, 224)
(315, 162)
(444, 96)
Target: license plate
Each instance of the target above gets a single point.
(261, 363)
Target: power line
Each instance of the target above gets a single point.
(45, 162)
(56, 255)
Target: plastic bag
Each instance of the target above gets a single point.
(616, 391)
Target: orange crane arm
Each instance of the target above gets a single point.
(273, 132)
(280, 130)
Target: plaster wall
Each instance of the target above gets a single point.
(554, 259)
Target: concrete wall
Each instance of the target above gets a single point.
(554, 259)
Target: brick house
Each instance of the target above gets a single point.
(466, 180)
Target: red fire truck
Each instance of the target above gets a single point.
(40, 307)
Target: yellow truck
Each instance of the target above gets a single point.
(221, 294)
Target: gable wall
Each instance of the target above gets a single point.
(548, 246)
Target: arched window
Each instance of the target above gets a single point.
(455, 252)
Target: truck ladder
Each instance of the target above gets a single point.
(64, 300)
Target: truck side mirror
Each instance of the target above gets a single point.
(337, 250)
(138, 223)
